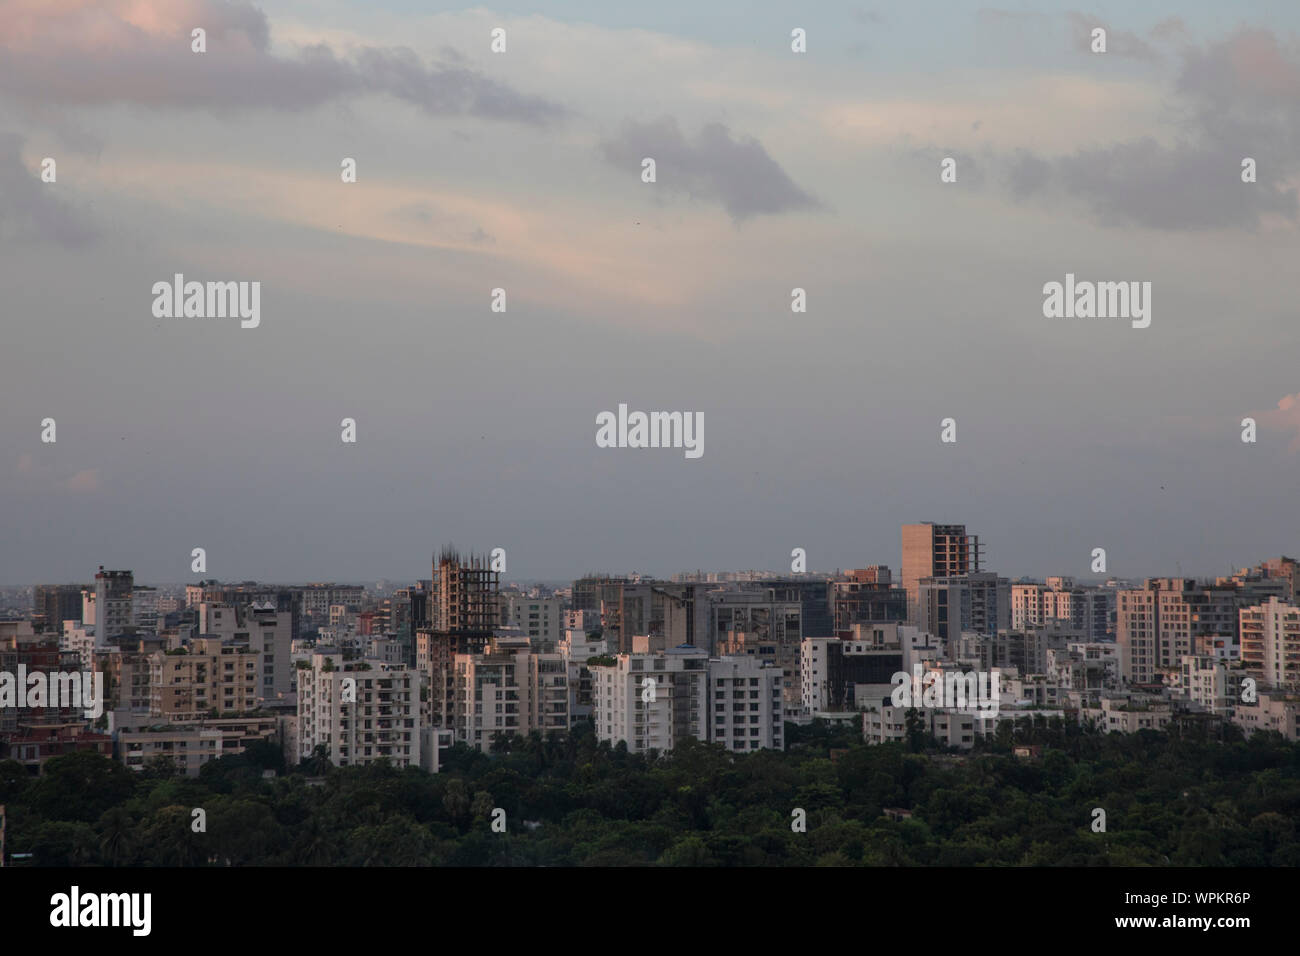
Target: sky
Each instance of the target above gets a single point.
(521, 170)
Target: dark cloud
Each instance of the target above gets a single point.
(31, 210)
(1027, 174)
(1240, 98)
(98, 54)
(1184, 187)
(738, 173)
(1236, 98)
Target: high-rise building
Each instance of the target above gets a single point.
(359, 711)
(464, 612)
(54, 604)
(839, 676)
(1089, 609)
(1270, 644)
(464, 598)
(1162, 622)
(814, 598)
(935, 551)
(540, 618)
(867, 596)
(979, 602)
(112, 604)
(264, 631)
(652, 701)
(746, 708)
(509, 689)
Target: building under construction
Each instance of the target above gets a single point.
(463, 611)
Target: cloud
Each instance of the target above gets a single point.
(1027, 174)
(994, 17)
(31, 209)
(969, 171)
(1185, 187)
(138, 51)
(1233, 99)
(84, 482)
(424, 214)
(737, 173)
(1285, 418)
(1171, 28)
(1118, 42)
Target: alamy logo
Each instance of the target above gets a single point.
(102, 909)
(972, 691)
(655, 430)
(57, 689)
(1098, 300)
(213, 300)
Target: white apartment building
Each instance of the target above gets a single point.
(79, 641)
(1270, 643)
(509, 690)
(1128, 714)
(380, 717)
(651, 701)
(575, 647)
(745, 701)
(1274, 711)
(1204, 680)
(888, 724)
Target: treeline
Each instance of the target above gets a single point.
(572, 801)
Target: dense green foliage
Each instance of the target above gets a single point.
(572, 801)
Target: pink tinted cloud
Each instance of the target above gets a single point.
(84, 482)
(1284, 418)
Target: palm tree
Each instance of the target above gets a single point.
(115, 840)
